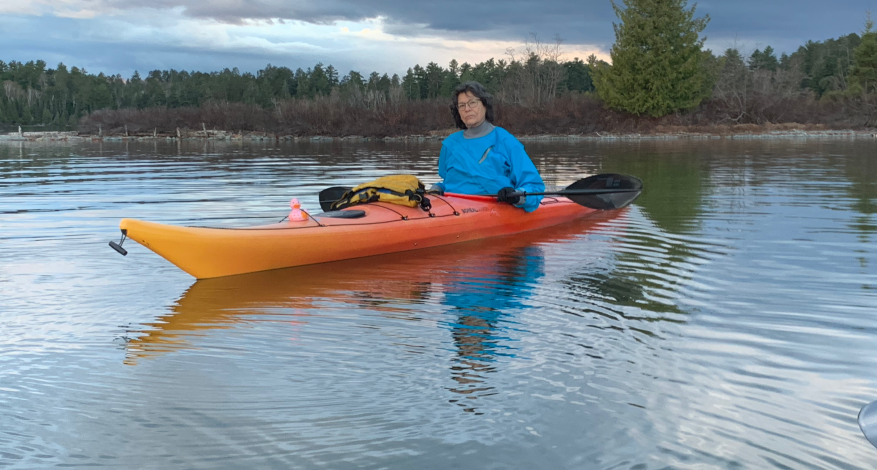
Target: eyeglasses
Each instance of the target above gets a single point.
(471, 103)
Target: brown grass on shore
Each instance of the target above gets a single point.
(568, 115)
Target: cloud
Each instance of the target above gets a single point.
(480, 20)
(577, 21)
(150, 39)
(381, 35)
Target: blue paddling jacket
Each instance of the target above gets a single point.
(484, 165)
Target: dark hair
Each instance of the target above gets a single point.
(479, 92)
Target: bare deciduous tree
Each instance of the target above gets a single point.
(532, 78)
(755, 96)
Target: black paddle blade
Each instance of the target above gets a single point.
(868, 422)
(629, 188)
(330, 195)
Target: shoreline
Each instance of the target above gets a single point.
(763, 132)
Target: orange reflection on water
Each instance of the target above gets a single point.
(379, 283)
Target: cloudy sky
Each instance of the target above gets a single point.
(118, 36)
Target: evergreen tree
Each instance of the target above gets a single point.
(384, 83)
(864, 70)
(319, 83)
(489, 73)
(454, 68)
(435, 77)
(734, 84)
(785, 61)
(410, 86)
(826, 65)
(332, 75)
(373, 80)
(657, 61)
(301, 83)
(577, 76)
(465, 71)
(451, 79)
(354, 78)
(766, 60)
(421, 91)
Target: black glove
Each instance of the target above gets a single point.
(507, 195)
(436, 189)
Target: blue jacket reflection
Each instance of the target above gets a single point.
(482, 299)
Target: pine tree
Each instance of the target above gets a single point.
(826, 64)
(435, 75)
(864, 70)
(766, 60)
(410, 85)
(318, 81)
(657, 61)
(332, 75)
(454, 68)
(301, 83)
(785, 61)
(577, 76)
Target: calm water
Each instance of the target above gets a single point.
(728, 319)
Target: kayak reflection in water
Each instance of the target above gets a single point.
(476, 291)
(482, 158)
(484, 298)
(470, 279)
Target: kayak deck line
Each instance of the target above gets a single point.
(352, 224)
(316, 218)
(207, 252)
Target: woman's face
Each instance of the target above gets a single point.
(471, 109)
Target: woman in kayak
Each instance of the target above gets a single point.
(483, 158)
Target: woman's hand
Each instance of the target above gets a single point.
(507, 195)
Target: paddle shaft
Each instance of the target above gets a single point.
(564, 192)
(605, 192)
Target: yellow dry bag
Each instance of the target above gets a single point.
(405, 190)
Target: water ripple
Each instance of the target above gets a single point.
(726, 320)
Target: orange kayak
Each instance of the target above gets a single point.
(356, 232)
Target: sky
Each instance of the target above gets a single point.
(387, 36)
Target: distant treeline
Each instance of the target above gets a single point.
(757, 87)
(35, 94)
